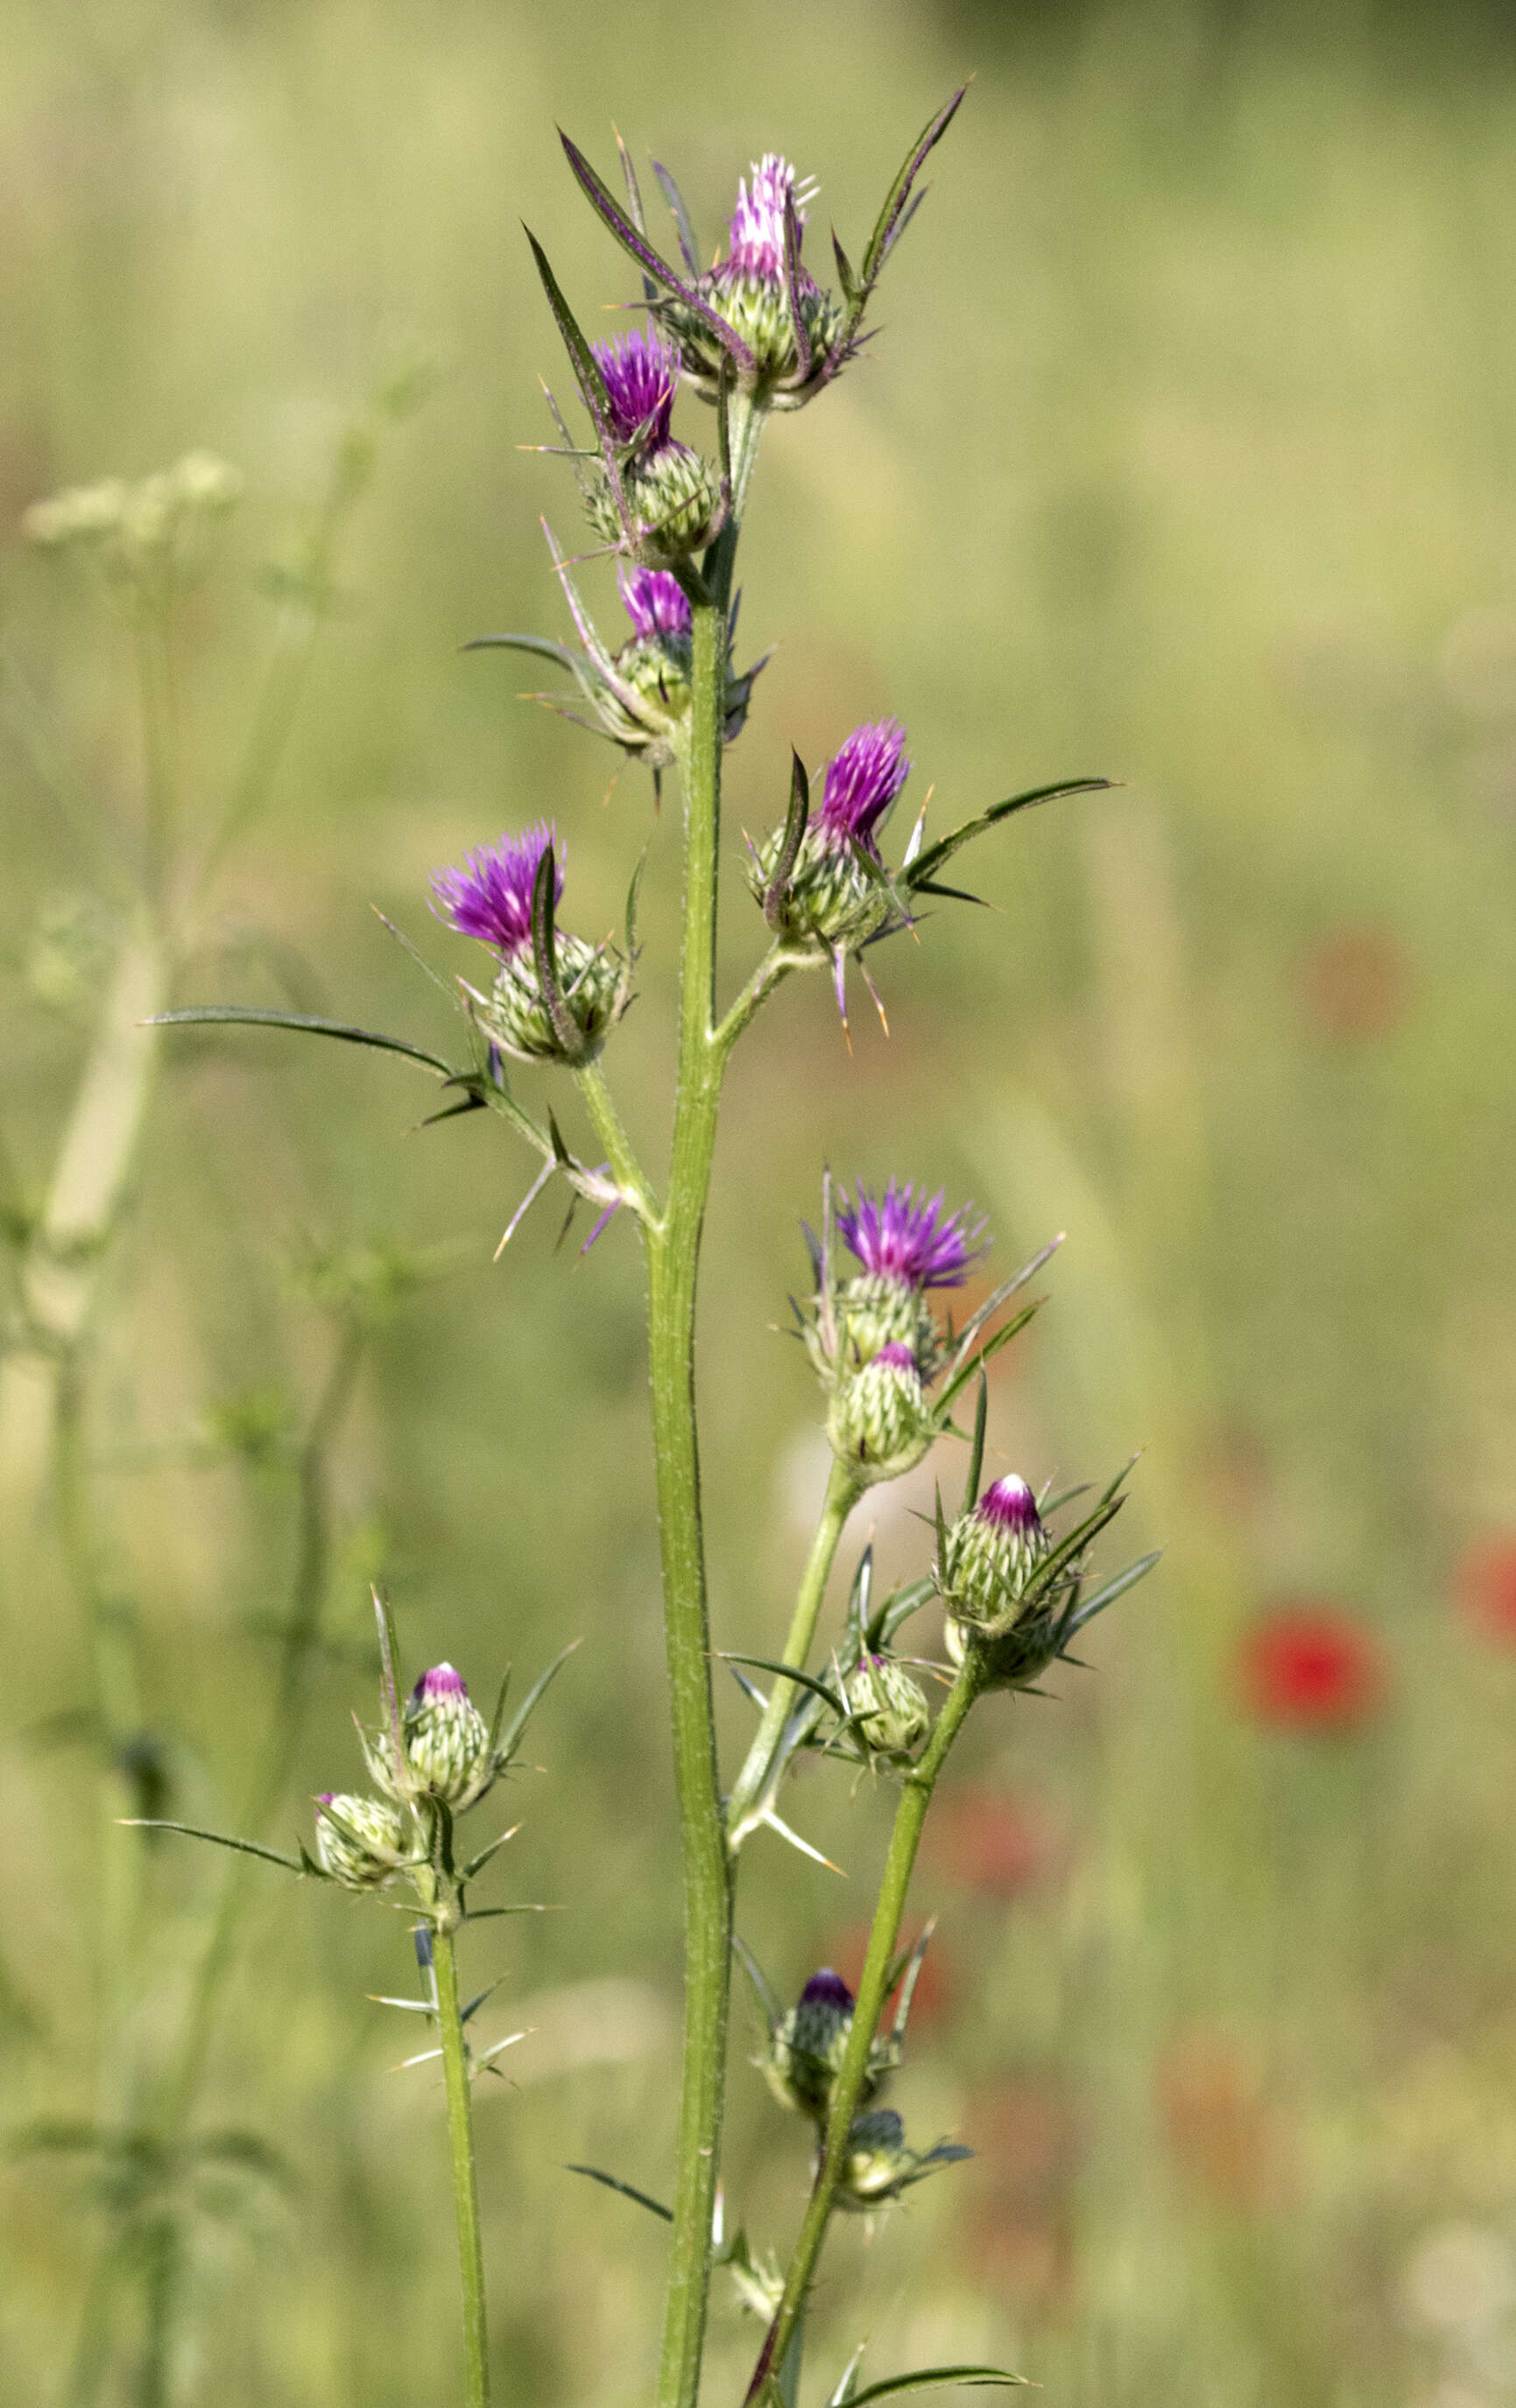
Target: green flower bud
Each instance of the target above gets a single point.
(871, 1311)
(358, 1840)
(879, 1423)
(446, 1739)
(879, 2165)
(515, 1012)
(672, 503)
(894, 1716)
(991, 1557)
(804, 2055)
(828, 899)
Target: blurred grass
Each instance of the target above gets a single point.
(1185, 457)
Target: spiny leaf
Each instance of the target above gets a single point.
(882, 239)
(300, 1864)
(604, 203)
(244, 1016)
(683, 226)
(930, 2377)
(628, 2190)
(505, 1747)
(976, 1449)
(796, 819)
(586, 366)
(763, 1989)
(1112, 1590)
(921, 868)
(476, 1864)
(791, 1672)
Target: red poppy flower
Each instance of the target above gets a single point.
(1487, 1590)
(1311, 1667)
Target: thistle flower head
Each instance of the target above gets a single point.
(880, 1424)
(359, 1839)
(757, 221)
(641, 376)
(806, 2048)
(656, 603)
(863, 779)
(992, 1554)
(446, 1739)
(490, 896)
(879, 2164)
(912, 1243)
(891, 1708)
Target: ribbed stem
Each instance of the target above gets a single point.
(910, 1815)
(460, 2133)
(672, 1248)
(843, 1493)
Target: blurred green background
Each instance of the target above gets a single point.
(1185, 457)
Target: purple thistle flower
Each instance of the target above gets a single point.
(827, 1989)
(441, 1681)
(641, 375)
(490, 896)
(916, 1244)
(757, 221)
(657, 603)
(1010, 1506)
(862, 781)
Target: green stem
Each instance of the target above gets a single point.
(910, 1815)
(460, 2132)
(776, 964)
(625, 1168)
(672, 1252)
(843, 1493)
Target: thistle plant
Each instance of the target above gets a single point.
(896, 1375)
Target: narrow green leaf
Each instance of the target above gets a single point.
(628, 2190)
(235, 1015)
(976, 1449)
(545, 954)
(883, 236)
(605, 203)
(586, 366)
(476, 1864)
(1113, 1589)
(791, 1672)
(506, 1746)
(763, 1990)
(943, 851)
(684, 225)
(796, 819)
(986, 1353)
(219, 1840)
(930, 2377)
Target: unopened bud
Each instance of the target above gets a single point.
(891, 1707)
(879, 1423)
(992, 1554)
(358, 1840)
(671, 504)
(446, 1737)
(805, 2054)
(879, 2164)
